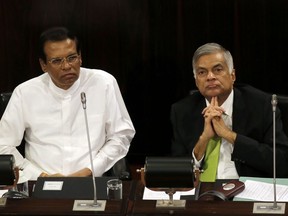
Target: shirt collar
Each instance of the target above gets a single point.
(64, 93)
(228, 104)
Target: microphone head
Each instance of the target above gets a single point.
(274, 100)
(83, 99)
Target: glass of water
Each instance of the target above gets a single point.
(114, 189)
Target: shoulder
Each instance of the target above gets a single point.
(88, 74)
(34, 83)
(193, 99)
(250, 92)
(97, 79)
(249, 97)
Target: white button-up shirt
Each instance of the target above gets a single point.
(54, 123)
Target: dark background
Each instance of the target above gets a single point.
(148, 46)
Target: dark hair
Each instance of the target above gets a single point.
(56, 34)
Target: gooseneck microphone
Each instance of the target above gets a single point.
(83, 100)
(96, 205)
(274, 105)
(275, 207)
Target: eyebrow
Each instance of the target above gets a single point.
(218, 65)
(65, 56)
(201, 68)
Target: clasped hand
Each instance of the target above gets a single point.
(214, 124)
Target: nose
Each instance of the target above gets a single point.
(65, 64)
(210, 75)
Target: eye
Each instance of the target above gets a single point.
(218, 70)
(56, 61)
(201, 73)
(72, 58)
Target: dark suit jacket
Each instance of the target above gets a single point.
(253, 123)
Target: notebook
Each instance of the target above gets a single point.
(70, 187)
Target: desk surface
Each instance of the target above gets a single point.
(34, 206)
(199, 208)
(192, 207)
(131, 205)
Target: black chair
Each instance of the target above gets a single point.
(283, 106)
(5, 97)
(120, 169)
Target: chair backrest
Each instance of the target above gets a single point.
(283, 106)
(4, 99)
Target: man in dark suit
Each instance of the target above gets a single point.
(240, 115)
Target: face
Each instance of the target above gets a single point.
(213, 77)
(63, 72)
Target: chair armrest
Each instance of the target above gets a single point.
(120, 169)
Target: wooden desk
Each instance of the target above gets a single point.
(193, 207)
(199, 208)
(131, 205)
(45, 207)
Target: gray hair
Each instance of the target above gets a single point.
(210, 48)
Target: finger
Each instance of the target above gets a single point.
(204, 110)
(219, 109)
(215, 101)
(212, 101)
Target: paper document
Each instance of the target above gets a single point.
(262, 191)
(2, 192)
(161, 195)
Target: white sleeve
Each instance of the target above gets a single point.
(119, 131)
(197, 163)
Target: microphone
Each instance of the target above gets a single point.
(96, 205)
(274, 104)
(280, 208)
(83, 100)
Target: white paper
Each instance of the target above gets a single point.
(53, 185)
(2, 192)
(261, 191)
(161, 195)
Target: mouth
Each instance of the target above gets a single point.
(69, 76)
(212, 86)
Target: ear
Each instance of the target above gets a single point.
(43, 65)
(80, 59)
(196, 82)
(233, 75)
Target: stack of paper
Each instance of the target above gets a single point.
(262, 189)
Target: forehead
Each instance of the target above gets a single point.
(59, 48)
(211, 60)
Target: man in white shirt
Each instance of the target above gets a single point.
(48, 109)
(240, 115)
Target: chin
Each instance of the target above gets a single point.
(213, 92)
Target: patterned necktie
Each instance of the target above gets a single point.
(211, 160)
